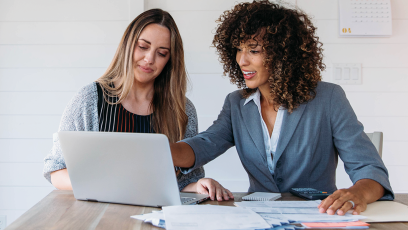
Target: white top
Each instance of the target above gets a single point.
(270, 142)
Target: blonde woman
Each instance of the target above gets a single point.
(143, 90)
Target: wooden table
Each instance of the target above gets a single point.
(60, 210)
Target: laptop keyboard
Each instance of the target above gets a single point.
(186, 199)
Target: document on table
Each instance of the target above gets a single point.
(156, 218)
(281, 212)
(385, 211)
(185, 217)
(281, 207)
(279, 204)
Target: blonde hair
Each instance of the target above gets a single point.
(169, 101)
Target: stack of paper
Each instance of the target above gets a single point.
(186, 217)
(281, 213)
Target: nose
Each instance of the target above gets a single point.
(149, 57)
(242, 58)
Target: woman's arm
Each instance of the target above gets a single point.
(60, 179)
(81, 114)
(361, 161)
(182, 154)
(363, 192)
(194, 181)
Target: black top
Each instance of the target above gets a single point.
(115, 118)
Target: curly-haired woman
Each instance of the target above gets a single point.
(143, 91)
(288, 127)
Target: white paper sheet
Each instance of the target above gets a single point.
(185, 217)
(285, 210)
(279, 204)
(385, 211)
(322, 217)
(274, 220)
(156, 218)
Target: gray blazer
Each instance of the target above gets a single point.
(311, 139)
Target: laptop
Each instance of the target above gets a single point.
(124, 168)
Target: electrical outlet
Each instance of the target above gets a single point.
(3, 222)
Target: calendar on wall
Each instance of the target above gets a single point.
(365, 18)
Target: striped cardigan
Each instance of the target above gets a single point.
(81, 114)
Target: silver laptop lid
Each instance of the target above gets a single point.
(127, 168)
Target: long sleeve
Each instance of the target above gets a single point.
(361, 159)
(191, 130)
(213, 142)
(81, 114)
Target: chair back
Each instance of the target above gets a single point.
(377, 139)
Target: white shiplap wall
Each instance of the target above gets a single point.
(48, 50)
(378, 102)
(51, 48)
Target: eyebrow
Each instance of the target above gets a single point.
(151, 43)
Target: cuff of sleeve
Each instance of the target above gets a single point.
(382, 180)
(47, 173)
(188, 170)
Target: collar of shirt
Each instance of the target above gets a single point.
(271, 142)
(256, 97)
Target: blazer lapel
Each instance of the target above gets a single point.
(289, 124)
(250, 116)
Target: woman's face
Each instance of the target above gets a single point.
(151, 54)
(250, 58)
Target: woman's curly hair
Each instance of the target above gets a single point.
(292, 51)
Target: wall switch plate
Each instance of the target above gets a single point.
(3, 222)
(347, 73)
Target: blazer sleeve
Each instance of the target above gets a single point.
(213, 142)
(360, 157)
(191, 130)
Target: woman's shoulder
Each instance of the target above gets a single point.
(91, 88)
(326, 87)
(84, 98)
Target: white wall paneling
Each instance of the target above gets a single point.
(394, 128)
(12, 215)
(201, 94)
(18, 198)
(208, 5)
(47, 79)
(22, 174)
(56, 56)
(38, 103)
(24, 150)
(381, 104)
(381, 80)
(60, 33)
(395, 153)
(28, 126)
(369, 55)
(327, 30)
(52, 10)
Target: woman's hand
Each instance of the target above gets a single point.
(365, 191)
(210, 187)
(214, 189)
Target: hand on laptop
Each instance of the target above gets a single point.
(214, 189)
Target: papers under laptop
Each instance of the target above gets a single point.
(125, 168)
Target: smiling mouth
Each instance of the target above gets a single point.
(249, 74)
(146, 69)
